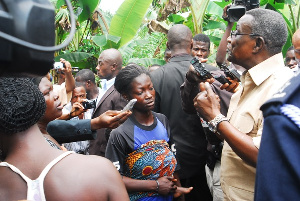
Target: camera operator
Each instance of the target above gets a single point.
(76, 110)
(239, 8)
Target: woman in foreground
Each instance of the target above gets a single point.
(33, 170)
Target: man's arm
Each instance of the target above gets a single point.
(69, 80)
(240, 143)
(207, 104)
(190, 88)
(188, 91)
(78, 130)
(221, 52)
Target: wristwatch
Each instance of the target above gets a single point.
(212, 125)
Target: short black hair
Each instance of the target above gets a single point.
(126, 76)
(271, 26)
(85, 75)
(202, 38)
(21, 104)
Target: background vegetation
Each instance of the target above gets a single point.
(139, 27)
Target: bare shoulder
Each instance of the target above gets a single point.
(87, 178)
(95, 166)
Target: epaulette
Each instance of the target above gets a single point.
(286, 91)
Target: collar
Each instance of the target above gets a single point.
(181, 57)
(265, 69)
(108, 83)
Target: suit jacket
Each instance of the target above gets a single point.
(64, 131)
(111, 100)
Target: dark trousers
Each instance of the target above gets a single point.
(200, 191)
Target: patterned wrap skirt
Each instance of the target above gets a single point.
(150, 161)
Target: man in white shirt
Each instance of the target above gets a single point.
(66, 82)
(78, 96)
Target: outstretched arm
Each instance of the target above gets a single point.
(77, 130)
(110, 119)
(70, 81)
(221, 52)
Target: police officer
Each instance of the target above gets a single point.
(278, 172)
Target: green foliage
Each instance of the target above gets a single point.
(104, 21)
(88, 7)
(198, 11)
(128, 30)
(290, 15)
(128, 19)
(150, 46)
(74, 57)
(176, 19)
(214, 25)
(107, 41)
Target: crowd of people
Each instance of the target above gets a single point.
(187, 137)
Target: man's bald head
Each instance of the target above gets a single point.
(179, 37)
(296, 36)
(112, 56)
(296, 44)
(109, 64)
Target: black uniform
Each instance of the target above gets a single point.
(278, 164)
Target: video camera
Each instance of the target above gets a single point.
(27, 36)
(89, 104)
(239, 8)
(204, 74)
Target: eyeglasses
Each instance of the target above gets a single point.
(234, 33)
(297, 51)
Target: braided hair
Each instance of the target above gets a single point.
(21, 104)
(126, 76)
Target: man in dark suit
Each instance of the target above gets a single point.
(107, 98)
